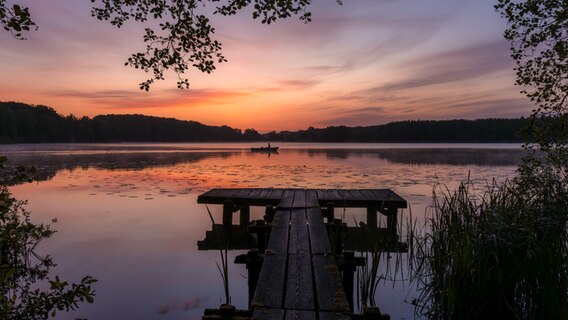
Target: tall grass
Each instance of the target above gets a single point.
(496, 253)
(223, 252)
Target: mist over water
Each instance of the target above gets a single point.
(127, 213)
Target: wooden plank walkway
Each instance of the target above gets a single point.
(287, 198)
(299, 279)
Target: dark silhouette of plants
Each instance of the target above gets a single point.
(22, 269)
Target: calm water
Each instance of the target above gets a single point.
(127, 213)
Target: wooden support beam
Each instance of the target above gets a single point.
(244, 217)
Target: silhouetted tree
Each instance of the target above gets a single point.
(181, 36)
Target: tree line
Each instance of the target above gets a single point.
(481, 130)
(22, 123)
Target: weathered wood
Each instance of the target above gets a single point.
(388, 195)
(276, 194)
(299, 241)
(323, 195)
(228, 213)
(369, 195)
(300, 315)
(334, 196)
(228, 193)
(255, 193)
(244, 216)
(267, 314)
(299, 288)
(312, 198)
(278, 243)
(334, 316)
(287, 198)
(319, 241)
(357, 195)
(299, 198)
(342, 198)
(298, 280)
(271, 281)
(345, 194)
(330, 294)
(372, 216)
(265, 194)
(243, 193)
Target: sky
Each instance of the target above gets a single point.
(365, 62)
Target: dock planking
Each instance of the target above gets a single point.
(289, 198)
(299, 279)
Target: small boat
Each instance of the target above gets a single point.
(264, 149)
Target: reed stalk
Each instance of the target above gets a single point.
(223, 252)
(497, 253)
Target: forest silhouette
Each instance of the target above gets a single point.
(22, 123)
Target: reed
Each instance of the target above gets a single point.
(223, 252)
(495, 253)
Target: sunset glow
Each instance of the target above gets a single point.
(362, 63)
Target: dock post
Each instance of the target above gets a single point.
(330, 211)
(244, 216)
(372, 217)
(253, 262)
(261, 229)
(335, 232)
(348, 270)
(227, 213)
(269, 214)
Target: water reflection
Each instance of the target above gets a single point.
(129, 216)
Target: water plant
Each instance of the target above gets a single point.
(495, 253)
(223, 252)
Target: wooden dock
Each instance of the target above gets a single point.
(299, 277)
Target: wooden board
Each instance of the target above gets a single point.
(330, 294)
(255, 193)
(243, 193)
(267, 314)
(299, 198)
(278, 242)
(357, 195)
(323, 195)
(265, 194)
(369, 194)
(299, 288)
(334, 316)
(300, 315)
(334, 196)
(299, 241)
(287, 199)
(312, 198)
(271, 280)
(276, 194)
(319, 241)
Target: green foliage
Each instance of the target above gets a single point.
(538, 33)
(498, 254)
(15, 19)
(481, 130)
(184, 35)
(21, 123)
(22, 269)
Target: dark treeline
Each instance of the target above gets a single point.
(22, 123)
(482, 130)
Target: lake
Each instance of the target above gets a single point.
(127, 213)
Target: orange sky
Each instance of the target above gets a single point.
(363, 63)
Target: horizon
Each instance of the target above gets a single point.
(261, 132)
(358, 64)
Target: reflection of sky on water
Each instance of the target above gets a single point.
(131, 218)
